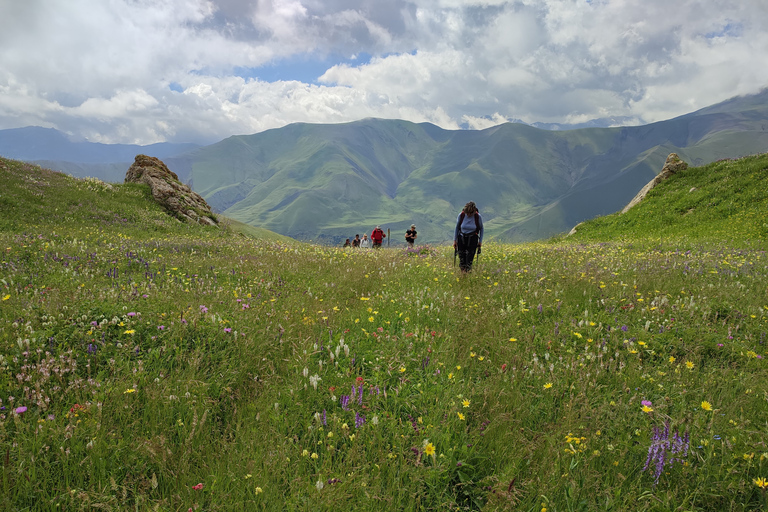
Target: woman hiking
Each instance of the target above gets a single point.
(468, 235)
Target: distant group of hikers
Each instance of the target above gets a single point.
(377, 237)
(467, 237)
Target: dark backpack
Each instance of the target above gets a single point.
(477, 222)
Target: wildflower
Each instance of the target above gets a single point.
(465, 403)
(689, 365)
(662, 446)
(314, 455)
(258, 490)
(646, 403)
(20, 410)
(461, 416)
(198, 486)
(129, 331)
(305, 453)
(647, 409)
(672, 359)
(7, 297)
(227, 329)
(429, 449)
(402, 369)
(128, 391)
(472, 354)
(706, 406)
(512, 339)
(547, 385)
(761, 482)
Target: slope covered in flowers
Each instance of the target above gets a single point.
(152, 365)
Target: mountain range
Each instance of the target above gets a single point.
(328, 182)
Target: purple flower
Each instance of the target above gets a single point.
(662, 446)
(132, 313)
(94, 323)
(344, 401)
(325, 422)
(161, 327)
(624, 328)
(20, 410)
(359, 420)
(646, 403)
(91, 348)
(203, 309)
(360, 395)
(227, 329)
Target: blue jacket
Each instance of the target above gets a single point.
(468, 226)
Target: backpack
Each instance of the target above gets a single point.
(477, 221)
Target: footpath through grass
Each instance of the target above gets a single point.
(150, 365)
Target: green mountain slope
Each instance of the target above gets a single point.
(725, 200)
(328, 182)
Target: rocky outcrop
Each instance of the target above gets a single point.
(673, 164)
(180, 200)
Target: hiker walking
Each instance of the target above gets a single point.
(410, 235)
(365, 243)
(347, 243)
(468, 235)
(377, 236)
(356, 241)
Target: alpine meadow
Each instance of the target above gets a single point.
(147, 364)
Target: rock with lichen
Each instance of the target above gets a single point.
(180, 200)
(673, 165)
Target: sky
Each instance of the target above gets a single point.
(146, 71)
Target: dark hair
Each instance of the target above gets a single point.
(470, 208)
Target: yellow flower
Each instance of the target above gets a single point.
(7, 297)
(370, 319)
(130, 331)
(761, 483)
(689, 365)
(465, 402)
(512, 339)
(458, 367)
(578, 335)
(314, 455)
(647, 409)
(471, 354)
(131, 390)
(547, 385)
(402, 369)
(480, 358)
(461, 416)
(258, 490)
(305, 453)
(450, 376)
(706, 405)
(671, 359)
(429, 449)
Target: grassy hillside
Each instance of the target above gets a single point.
(725, 200)
(151, 365)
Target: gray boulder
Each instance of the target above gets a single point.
(180, 200)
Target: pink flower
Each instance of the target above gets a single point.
(21, 410)
(646, 403)
(198, 486)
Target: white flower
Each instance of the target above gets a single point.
(319, 485)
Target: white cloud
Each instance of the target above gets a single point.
(104, 69)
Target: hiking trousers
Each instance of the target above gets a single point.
(467, 246)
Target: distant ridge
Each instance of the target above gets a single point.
(328, 182)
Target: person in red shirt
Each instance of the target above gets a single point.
(377, 236)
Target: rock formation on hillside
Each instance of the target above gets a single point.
(673, 164)
(174, 196)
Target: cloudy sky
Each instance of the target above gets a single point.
(144, 71)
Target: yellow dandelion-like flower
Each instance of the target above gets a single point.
(547, 385)
(689, 365)
(647, 409)
(429, 449)
(314, 455)
(370, 319)
(450, 376)
(471, 354)
(465, 402)
(461, 416)
(481, 358)
(130, 331)
(402, 369)
(578, 335)
(761, 483)
(512, 339)
(128, 391)
(458, 367)
(258, 490)
(7, 297)
(706, 405)
(672, 359)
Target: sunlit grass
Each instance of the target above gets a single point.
(184, 367)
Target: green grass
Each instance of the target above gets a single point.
(166, 366)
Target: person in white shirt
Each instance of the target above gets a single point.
(365, 243)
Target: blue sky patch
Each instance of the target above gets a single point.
(304, 68)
